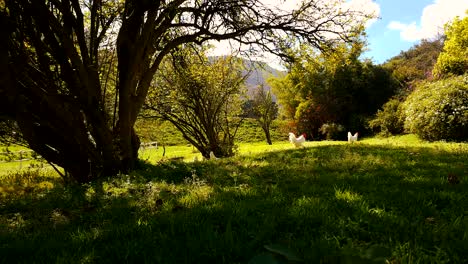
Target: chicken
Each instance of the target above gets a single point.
(296, 141)
(212, 156)
(352, 138)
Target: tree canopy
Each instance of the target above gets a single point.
(332, 88)
(200, 97)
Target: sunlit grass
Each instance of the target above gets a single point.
(329, 202)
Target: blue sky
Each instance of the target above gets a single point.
(404, 23)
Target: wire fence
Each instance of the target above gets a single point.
(18, 156)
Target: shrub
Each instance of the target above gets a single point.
(390, 120)
(439, 110)
(453, 60)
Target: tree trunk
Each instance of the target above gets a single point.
(266, 129)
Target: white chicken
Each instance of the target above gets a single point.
(212, 156)
(352, 138)
(296, 141)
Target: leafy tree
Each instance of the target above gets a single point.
(200, 98)
(265, 110)
(287, 93)
(454, 57)
(52, 75)
(334, 87)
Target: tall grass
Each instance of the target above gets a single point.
(329, 202)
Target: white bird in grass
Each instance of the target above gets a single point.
(212, 156)
(352, 138)
(296, 141)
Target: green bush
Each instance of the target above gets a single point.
(390, 120)
(439, 110)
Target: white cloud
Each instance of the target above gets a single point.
(366, 6)
(285, 5)
(433, 18)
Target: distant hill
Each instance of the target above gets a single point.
(259, 73)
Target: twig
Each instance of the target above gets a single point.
(57, 170)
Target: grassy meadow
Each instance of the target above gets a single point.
(374, 201)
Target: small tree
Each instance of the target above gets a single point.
(265, 110)
(200, 98)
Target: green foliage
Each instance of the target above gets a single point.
(265, 110)
(201, 98)
(439, 110)
(383, 200)
(390, 120)
(454, 59)
(333, 87)
(415, 64)
(286, 91)
(408, 68)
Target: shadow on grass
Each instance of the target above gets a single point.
(327, 204)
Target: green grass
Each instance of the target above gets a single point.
(151, 130)
(329, 202)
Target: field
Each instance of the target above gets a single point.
(330, 202)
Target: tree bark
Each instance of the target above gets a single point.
(266, 129)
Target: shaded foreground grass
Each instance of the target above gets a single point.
(329, 202)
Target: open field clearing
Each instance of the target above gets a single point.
(396, 199)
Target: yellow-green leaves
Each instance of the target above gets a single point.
(454, 58)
